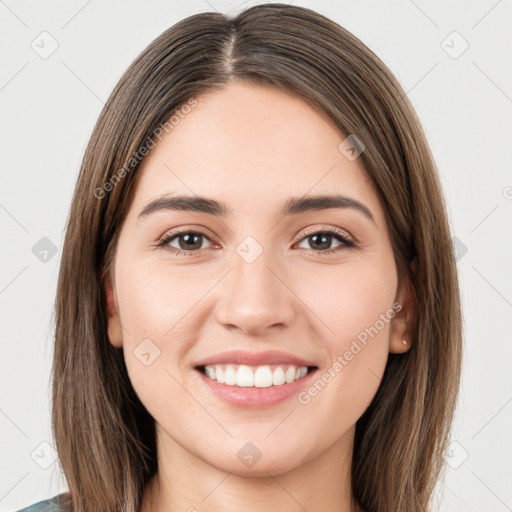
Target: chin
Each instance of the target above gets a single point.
(256, 460)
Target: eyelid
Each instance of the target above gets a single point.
(186, 229)
(322, 228)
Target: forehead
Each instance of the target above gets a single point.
(254, 143)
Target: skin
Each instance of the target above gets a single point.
(253, 147)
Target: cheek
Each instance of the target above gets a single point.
(349, 299)
(153, 298)
(155, 305)
(354, 305)
(153, 311)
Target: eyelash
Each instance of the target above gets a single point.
(338, 233)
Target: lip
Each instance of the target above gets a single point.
(254, 358)
(256, 398)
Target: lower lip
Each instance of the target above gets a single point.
(256, 398)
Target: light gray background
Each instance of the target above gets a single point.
(50, 105)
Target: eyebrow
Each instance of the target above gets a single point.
(293, 206)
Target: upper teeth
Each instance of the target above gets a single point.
(260, 376)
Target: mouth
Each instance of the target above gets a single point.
(254, 380)
(255, 387)
(261, 376)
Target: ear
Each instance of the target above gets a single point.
(114, 331)
(403, 322)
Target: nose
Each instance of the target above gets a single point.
(256, 297)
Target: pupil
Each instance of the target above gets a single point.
(190, 240)
(325, 244)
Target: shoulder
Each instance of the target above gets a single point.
(59, 503)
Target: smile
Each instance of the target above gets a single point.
(255, 376)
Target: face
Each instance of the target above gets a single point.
(316, 284)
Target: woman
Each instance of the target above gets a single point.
(257, 304)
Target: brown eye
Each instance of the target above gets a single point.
(321, 241)
(186, 242)
(192, 241)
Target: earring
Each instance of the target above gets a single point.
(404, 342)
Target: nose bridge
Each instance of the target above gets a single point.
(254, 298)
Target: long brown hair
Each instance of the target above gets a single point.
(104, 436)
